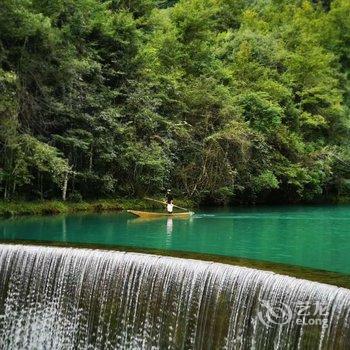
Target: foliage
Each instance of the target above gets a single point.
(220, 100)
(16, 208)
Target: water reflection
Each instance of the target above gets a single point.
(64, 229)
(169, 231)
(169, 226)
(308, 236)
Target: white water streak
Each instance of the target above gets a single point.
(65, 298)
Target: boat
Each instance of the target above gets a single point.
(150, 215)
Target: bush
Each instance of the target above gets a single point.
(75, 197)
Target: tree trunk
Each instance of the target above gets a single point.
(64, 187)
(41, 187)
(5, 191)
(90, 160)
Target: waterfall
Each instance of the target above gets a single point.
(68, 298)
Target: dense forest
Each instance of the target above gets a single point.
(221, 100)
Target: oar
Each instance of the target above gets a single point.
(155, 200)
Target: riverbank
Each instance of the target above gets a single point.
(9, 209)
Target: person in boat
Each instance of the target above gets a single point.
(169, 202)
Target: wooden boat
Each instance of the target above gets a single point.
(149, 215)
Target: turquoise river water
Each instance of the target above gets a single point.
(315, 237)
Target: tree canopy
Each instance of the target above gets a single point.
(222, 100)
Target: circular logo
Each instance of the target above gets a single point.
(274, 314)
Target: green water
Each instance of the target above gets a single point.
(313, 237)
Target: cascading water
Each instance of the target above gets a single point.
(65, 298)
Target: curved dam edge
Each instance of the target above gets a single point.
(300, 272)
(72, 298)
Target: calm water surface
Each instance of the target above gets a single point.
(314, 237)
